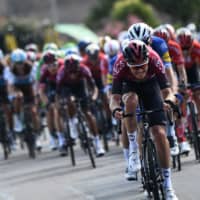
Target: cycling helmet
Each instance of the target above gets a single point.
(184, 37)
(162, 33)
(50, 46)
(192, 27)
(18, 56)
(71, 62)
(170, 30)
(50, 57)
(140, 31)
(92, 51)
(31, 56)
(31, 47)
(135, 53)
(103, 40)
(111, 48)
(123, 35)
(82, 44)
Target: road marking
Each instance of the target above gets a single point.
(78, 192)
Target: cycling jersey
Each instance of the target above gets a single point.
(175, 52)
(66, 78)
(122, 73)
(193, 55)
(192, 61)
(147, 89)
(49, 79)
(110, 69)
(99, 68)
(73, 84)
(25, 77)
(160, 46)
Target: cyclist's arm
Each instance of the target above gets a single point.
(172, 79)
(182, 74)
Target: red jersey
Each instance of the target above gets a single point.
(175, 52)
(66, 78)
(193, 56)
(98, 69)
(47, 77)
(122, 73)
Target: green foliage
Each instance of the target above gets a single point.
(184, 11)
(99, 12)
(122, 8)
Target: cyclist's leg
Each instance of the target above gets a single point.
(130, 101)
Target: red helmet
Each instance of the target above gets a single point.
(171, 31)
(162, 33)
(184, 38)
(50, 57)
(135, 52)
(72, 62)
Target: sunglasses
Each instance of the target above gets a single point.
(138, 66)
(52, 65)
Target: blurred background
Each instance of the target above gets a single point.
(63, 21)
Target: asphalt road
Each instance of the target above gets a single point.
(51, 177)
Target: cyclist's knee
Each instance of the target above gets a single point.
(130, 101)
(159, 131)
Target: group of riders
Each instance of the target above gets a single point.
(144, 64)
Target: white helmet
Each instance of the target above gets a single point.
(140, 31)
(111, 47)
(123, 35)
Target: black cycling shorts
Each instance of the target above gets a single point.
(78, 91)
(27, 90)
(3, 95)
(193, 74)
(149, 94)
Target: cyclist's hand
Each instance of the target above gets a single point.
(166, 107)
(117, 113)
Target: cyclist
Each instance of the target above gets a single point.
(4, 101)
(97, 62)
(82, 45)
(176, 55)
(111, 49)
(191, 53)
(144, 32)
(70, 80)
(139, 72)
(20, 84)
(47, 93)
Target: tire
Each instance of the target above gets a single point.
(195, 131)
(30, 142)
(4, 139)
(70, 143)
(154, 172)
(84, 129)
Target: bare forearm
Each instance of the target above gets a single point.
(115, 101)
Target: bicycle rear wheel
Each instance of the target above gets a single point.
(195, 132)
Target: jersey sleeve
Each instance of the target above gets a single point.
(118, 76)
(159, 69)
(160, 46)
(176, 54)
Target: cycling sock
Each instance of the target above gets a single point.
(61, 139)
(133, 145)
(97, 141)
(180, 129)
(126, 155)
(167, 183)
